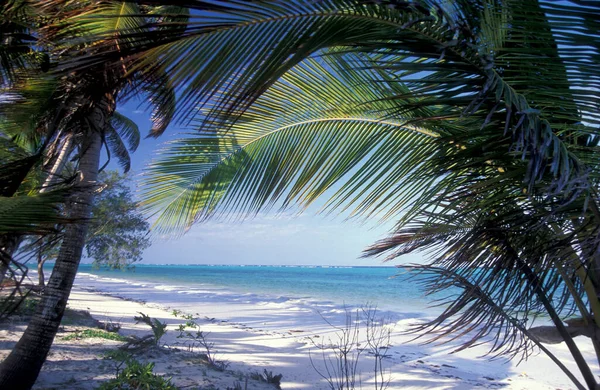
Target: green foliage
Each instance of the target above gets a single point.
(117, 355)
(137, 376)
(21, 306)
(95, 333)
(35, 214)
(117, 235)
(158, 328)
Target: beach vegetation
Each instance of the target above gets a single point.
(94, 333)
(136, 375)
(18, 306)
(159, 329)
(362, 331)
(196, 338)
(118, 357)
(237, 385)
(267, 377)
(109, 325)
(472, 124)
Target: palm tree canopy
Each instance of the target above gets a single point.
(442, 69)
(474, 124)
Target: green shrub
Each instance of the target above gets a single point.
(158, 328)
(138, 376)
(89, 333)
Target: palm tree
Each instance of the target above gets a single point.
(473, 123)
(82, 121)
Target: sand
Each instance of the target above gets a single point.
(254, 338)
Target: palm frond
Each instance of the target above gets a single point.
(452, 77)
(115, 146)
(126, 129)
(161, 98)
(32, 214)
(25, 111)
(292, 146)
(18, 57)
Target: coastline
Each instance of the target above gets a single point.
(283, 340)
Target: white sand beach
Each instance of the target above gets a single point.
(254, 338)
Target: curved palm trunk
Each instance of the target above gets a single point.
(58, 164)
(20, 369)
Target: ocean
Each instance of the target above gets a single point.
(393, 291)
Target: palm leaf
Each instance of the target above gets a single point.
(32, 214)
(289, 151)
(126, 129)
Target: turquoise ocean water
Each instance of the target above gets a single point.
(391, 289)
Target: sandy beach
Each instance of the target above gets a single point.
(255, 338)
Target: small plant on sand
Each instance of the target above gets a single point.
(340, 353)
(268, 377)
(137, 375)
(119, 359)
(97, 333)
(198, 339)
(158, 328)
(237, 385)
(135, 343)
(378, 334)
(110, 325)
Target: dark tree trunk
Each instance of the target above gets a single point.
(20, 369)
(40, 270)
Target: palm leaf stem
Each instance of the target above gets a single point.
(403, 125)
(592, 298)
(483, 296)
(535, 284)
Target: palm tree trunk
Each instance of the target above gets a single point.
(58, 164)
(20, 369)
(40, 268)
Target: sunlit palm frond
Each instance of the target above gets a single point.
(32, 214)
(160, 92)
(431, 53)
(24, 110)
(290, 147)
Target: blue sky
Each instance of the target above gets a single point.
(269, 238)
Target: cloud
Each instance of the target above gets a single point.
(246, 231)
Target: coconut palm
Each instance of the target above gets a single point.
(81, 121)
(473, 123)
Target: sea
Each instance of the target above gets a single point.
(393, 291)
